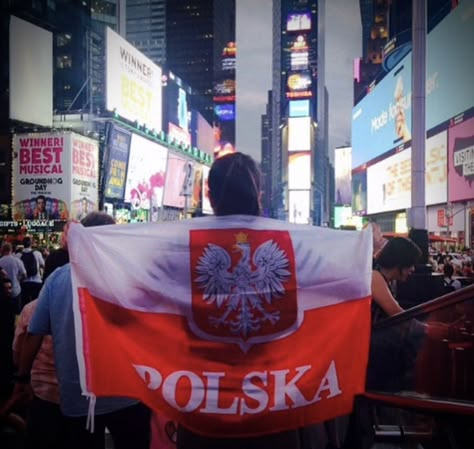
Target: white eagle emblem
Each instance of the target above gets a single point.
(242, 291)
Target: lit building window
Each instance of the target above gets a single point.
(63, 62)
(63, 39)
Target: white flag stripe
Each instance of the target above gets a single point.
(147, 266)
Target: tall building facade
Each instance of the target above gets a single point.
(386, 25)
(300, 165)
(194, 39)
(266, 156)
(146, 28)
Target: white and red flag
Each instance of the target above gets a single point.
(233, 326)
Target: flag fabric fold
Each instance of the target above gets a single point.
(232, 326)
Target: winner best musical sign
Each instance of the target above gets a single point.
(133, 83)
(49, 172)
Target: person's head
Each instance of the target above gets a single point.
(41, 202)
(234, 185)
(399, 256)
(97, 218)
(6, 249)
(448, 270)
(7, 287)
(27, 242)
(56, 258)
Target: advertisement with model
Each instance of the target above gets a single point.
(381, 121)
(133, 83)
(55, 176)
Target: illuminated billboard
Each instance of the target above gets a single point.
(461, 161)
(298, 82)
(175, 175)
(299, 206)
(298, 108)
(225, 87)
(299, 61)
(298, 21)
(299, 171)
(389, 181)
(55, 176)
(225, 111)
(133, 83)
(299, 134)
(146, 173)
(116, 170)
(206, 203)
(382, 119)
(359, 192)
(30, 65)
(177, 114)
(342, 173)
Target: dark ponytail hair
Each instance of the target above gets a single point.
(234, 185)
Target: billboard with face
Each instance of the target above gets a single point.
(177, 113)
(382, 120)
(133, 83)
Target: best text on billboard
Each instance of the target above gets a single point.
(133, 87)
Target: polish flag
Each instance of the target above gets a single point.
(232, 326)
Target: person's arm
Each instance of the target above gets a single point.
(21, 275)
(20, 334)
(382, 295)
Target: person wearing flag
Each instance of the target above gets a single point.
(240, 328)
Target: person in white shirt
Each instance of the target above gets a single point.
(15, 270)
(31, 286)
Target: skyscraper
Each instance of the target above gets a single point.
(190, 38)
(300, 166)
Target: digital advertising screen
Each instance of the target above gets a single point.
(225, 111)
(299, 21)
(85, 176)
(342, 216)
(30, 65)
(175, 175)
(359, 192)
(343, 175)
(133, 83)
(382, 119)
(461, 161)
(299, 170)
(389, 183)
(206, 204)
(116, 171)
(299, 206)
(436, 154)
(42, 178)
(177, 116)
(298, 108)
(299, 134)
(146, 173)
(299, 82)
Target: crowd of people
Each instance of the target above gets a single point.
(39, 374)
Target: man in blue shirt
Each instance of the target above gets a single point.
(127, 420)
